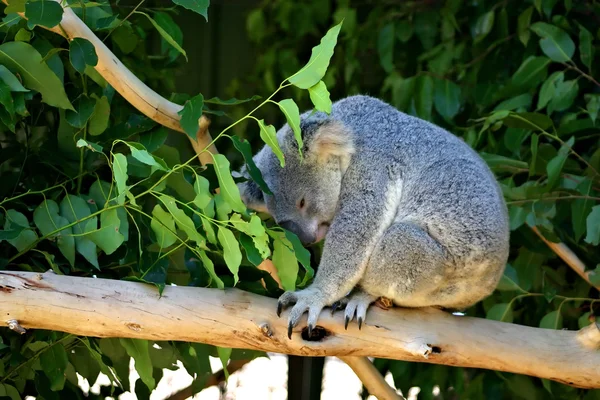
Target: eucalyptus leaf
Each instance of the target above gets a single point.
(315, 69)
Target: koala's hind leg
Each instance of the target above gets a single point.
(407, 266)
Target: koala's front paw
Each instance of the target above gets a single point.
(305, 300)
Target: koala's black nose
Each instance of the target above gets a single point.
(305, 237)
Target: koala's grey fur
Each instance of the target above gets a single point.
(414, 214)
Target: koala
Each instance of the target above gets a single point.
(407, 210)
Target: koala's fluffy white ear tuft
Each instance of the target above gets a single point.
(252, 196)
(332, 140)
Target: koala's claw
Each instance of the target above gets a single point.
(305, 300)
(357, 305)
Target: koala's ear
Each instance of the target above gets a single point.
(252, 196)
(332, 139)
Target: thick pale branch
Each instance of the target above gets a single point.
(234, 318)
(567, 255)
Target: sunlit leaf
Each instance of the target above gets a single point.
(292, 115)
(138, 350)
(319, 95)
(315, 69)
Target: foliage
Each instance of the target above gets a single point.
(515, 80)
(92, 188)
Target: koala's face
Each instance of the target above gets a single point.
(305, 192)
(305, 197)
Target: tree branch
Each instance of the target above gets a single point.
(238, 319)
(567, 255)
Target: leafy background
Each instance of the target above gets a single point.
(514, 79)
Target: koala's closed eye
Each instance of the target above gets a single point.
(301, 204)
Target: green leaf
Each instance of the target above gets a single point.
(231, 251)
(548, 89)
(552, 320)
(6, 99)
(269, 136)
(252, 252)
(555, 42)
(229, 190)
(165, 35)
(230, 102)
(522, 101)
(108, 238)
(528, 120)
(498, 162)
(163, 226)
(284, 260)
(315, 69)
(83, 110)
(202, 189)
(319, 95)
(81, 53)
(54, 364)
(183, 222)
(15, 6)
(190, 115)
(592, 105)
(9, 391)
(501, 312)
(11, 80)
(586, 50)
(593, 226)
(292, 114)
(385, 47)
(581, 208)
(75, 209)
(564, 95)
(531, 72)
(198, 6)
(22, 58)
(10, 234)
(155, 139)
(210, 268)
(138, 350)
(119, 167)
(48, 220)
(508, 283)
(584, 320)
(523, 25)
(46, 13)
(555, 166)
(142, 155)
(13, 220)
(446, 98)
(23, 35)
(483, 26)
(424, 97)
(302, 255)
(224, 355)
(243, 146)
(95, 147)
(100, 117)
